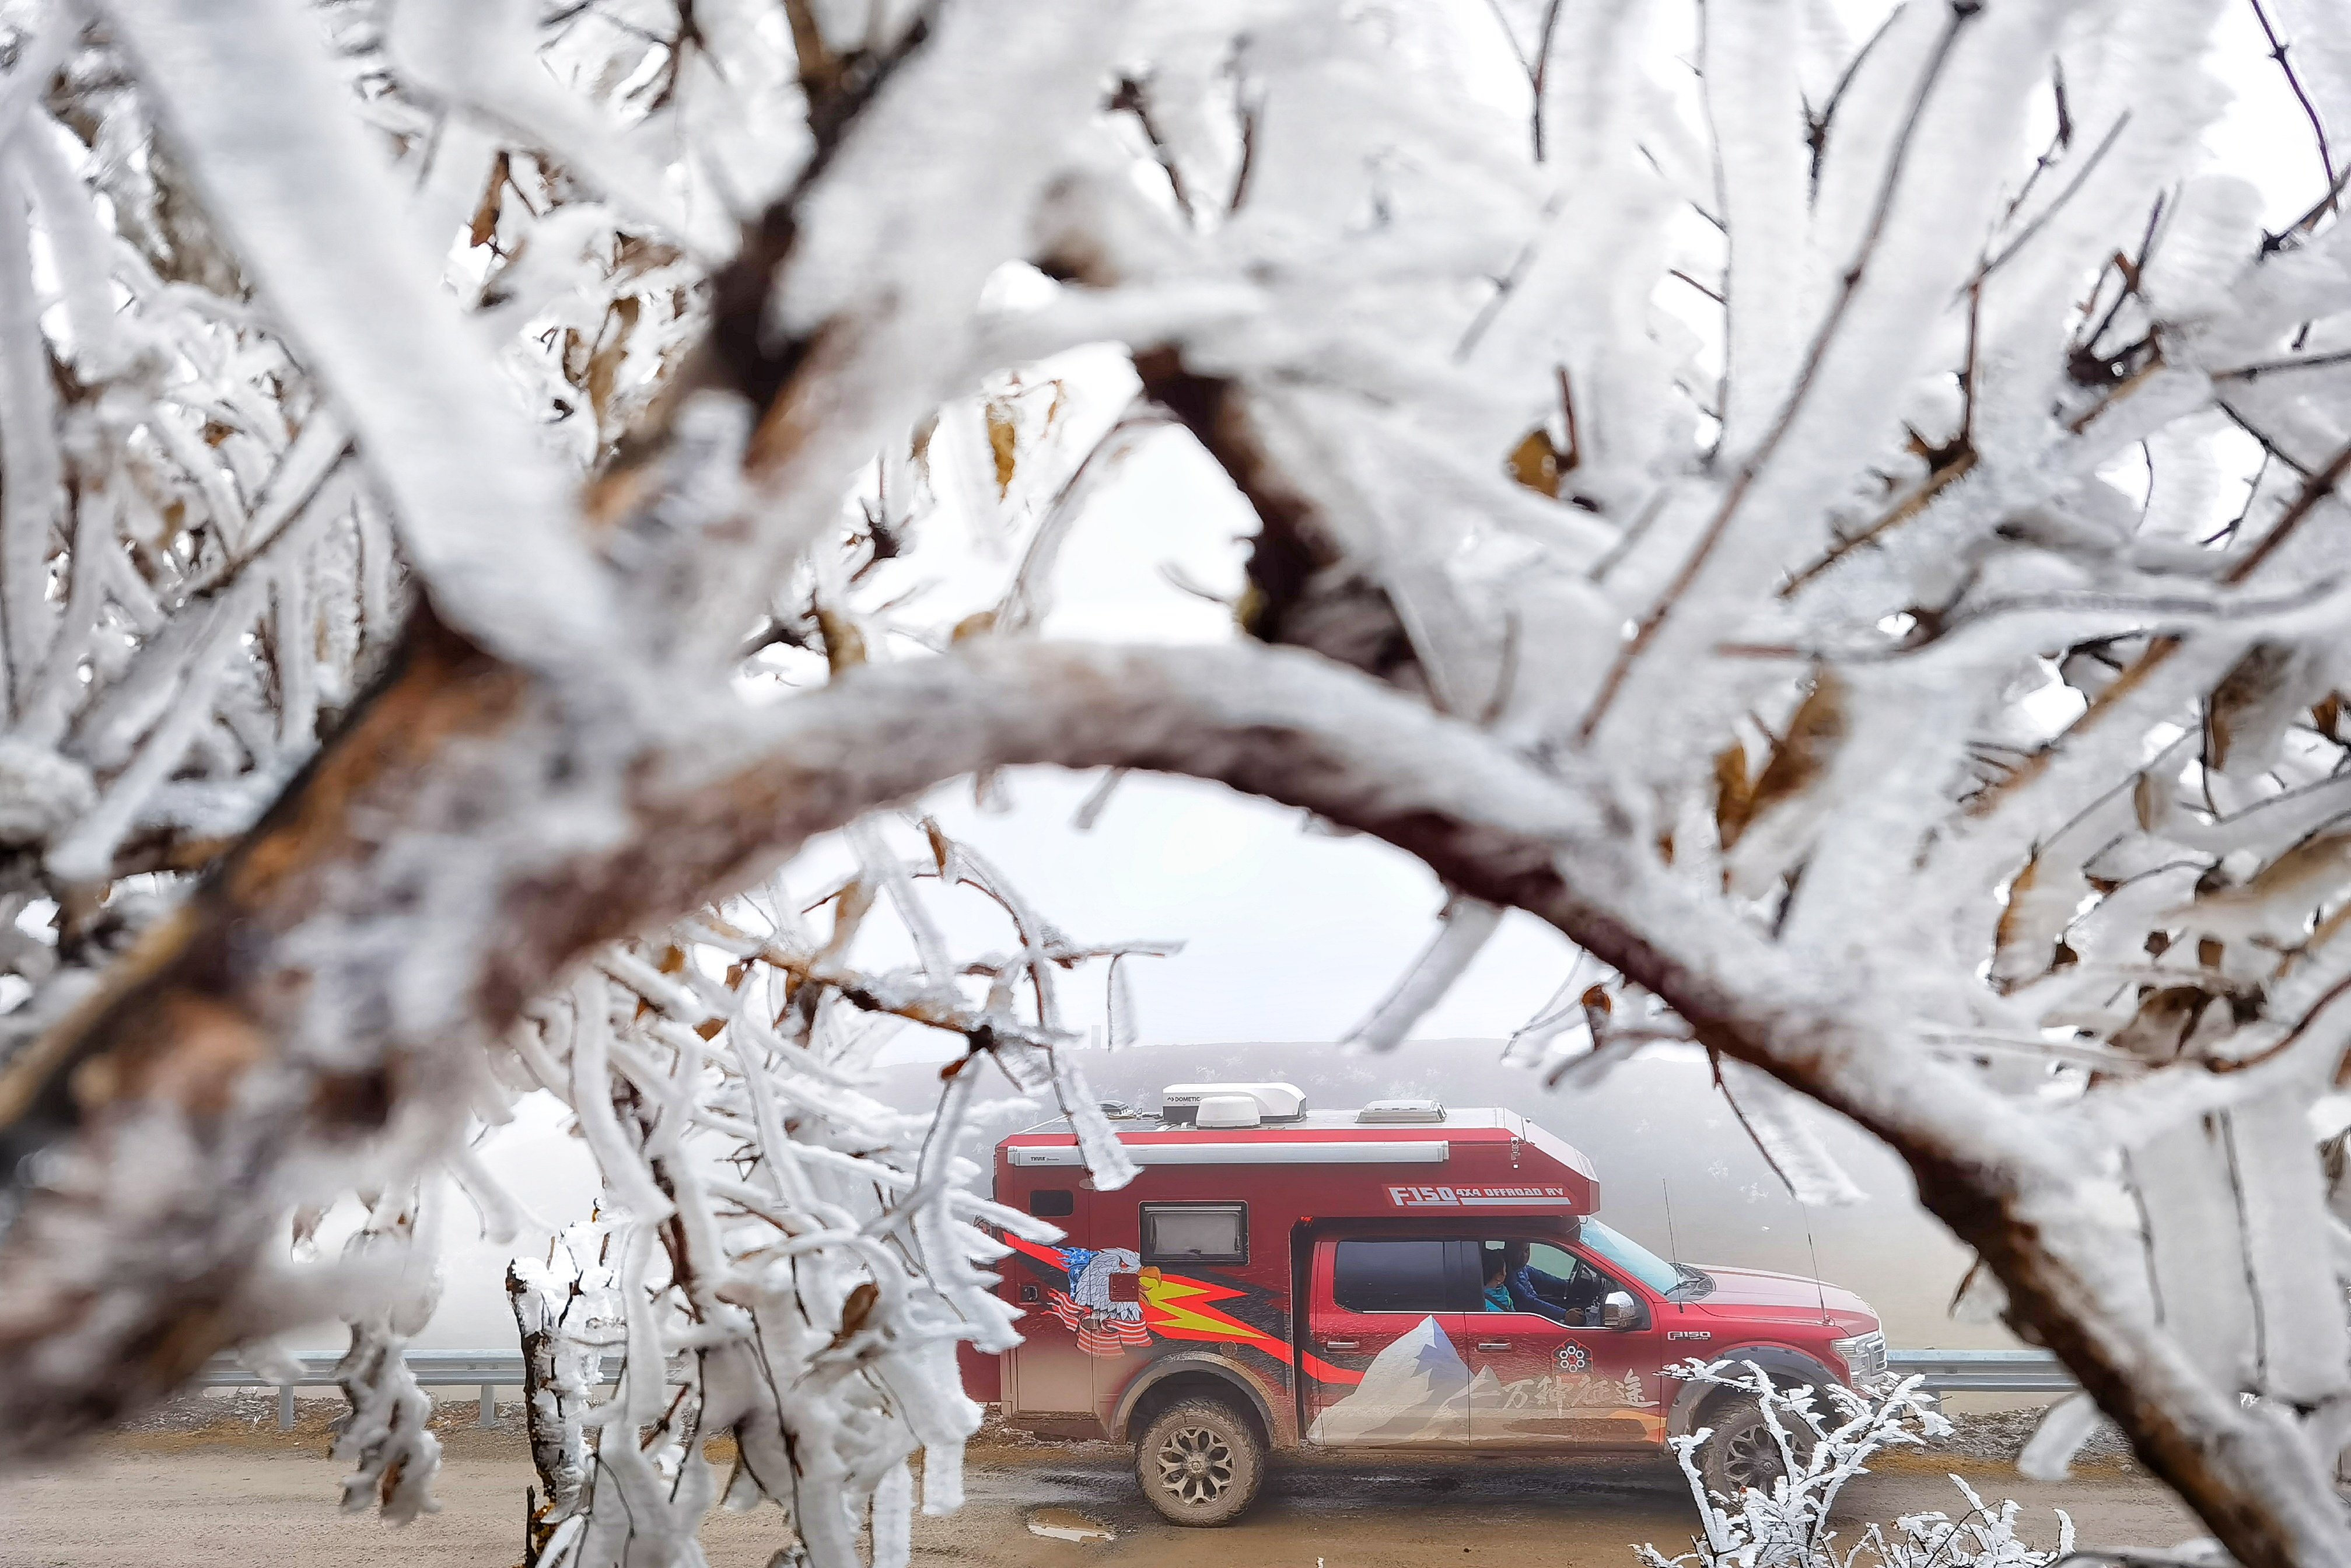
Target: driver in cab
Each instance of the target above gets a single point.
(1527, 1289)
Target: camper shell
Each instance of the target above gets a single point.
(1325, 1275)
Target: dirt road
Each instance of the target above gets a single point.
(161, 1501)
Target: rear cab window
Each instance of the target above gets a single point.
(1415, 1275)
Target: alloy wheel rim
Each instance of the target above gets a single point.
(1195, 1466)
(1749, 1457)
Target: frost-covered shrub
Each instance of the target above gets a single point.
(1820, 1450)
(777, 1257)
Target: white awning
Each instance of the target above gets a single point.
(1417, 1152)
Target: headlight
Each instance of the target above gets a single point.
(1864, 1355)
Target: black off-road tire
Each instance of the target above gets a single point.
(1742, 1453)
(1200, 1462)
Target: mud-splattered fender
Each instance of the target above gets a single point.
(1195, 1363)
(1786, 1367)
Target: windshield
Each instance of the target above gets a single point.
(1631, 1257)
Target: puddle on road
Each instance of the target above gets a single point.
(1067, 1524)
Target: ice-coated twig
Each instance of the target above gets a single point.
(483, 510)
(1462, 930)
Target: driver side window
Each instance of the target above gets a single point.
(1588, 1288)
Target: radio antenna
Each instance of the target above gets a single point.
(1819, 1291)
(1672, 1245)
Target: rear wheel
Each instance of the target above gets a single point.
(1200, 1462)
(1742, 1453)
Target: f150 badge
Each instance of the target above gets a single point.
(1476, 1197)
(1688, 1334)
(1572, 1357)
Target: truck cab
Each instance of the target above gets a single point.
(1398, 1276)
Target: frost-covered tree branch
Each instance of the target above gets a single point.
(1850, 536)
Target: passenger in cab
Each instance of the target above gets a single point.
(1498, 1291)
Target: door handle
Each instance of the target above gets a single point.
(1495, 1344)
(1340, 1344)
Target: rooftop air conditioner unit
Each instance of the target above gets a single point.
(1182, 1104)
(1391, 1110)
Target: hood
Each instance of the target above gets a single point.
(1738, 1291)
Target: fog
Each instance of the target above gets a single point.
(1293, 933)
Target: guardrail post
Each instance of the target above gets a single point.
(489, 1416)
(286, 1407)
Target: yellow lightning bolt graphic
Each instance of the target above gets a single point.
(1166, 1293)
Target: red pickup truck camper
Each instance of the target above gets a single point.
(1400, 1277)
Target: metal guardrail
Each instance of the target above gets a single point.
(487, 1370)
(1946, 1371)
(1983, 1371)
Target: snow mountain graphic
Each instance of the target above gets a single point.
(1415, 1391)
(1418, 1390)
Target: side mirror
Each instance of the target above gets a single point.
(1619, 1311)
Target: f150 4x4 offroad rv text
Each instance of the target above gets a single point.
(1399, 1277)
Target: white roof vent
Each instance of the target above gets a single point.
(1180, 1102)
(1391, 1110)
(1226, 1111)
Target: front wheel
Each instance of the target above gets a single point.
(1200, 1462)
(1742, 1453)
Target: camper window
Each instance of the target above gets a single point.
(1195, 1233)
